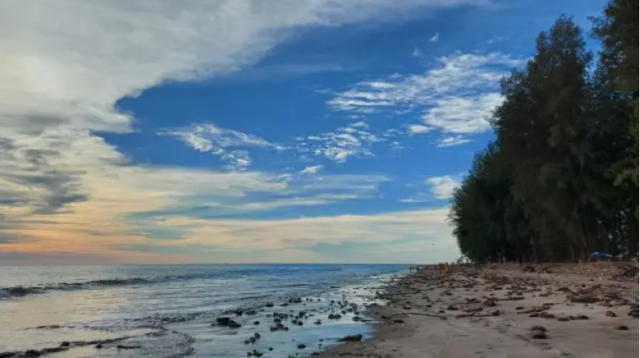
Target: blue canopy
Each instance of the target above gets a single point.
(600, 255)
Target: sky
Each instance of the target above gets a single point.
(246, 131)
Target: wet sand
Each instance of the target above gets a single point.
(490, 312)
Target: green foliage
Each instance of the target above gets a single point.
(560, 180)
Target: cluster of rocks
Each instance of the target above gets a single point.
(64, 346)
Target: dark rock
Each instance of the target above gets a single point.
(495, 313)
(65, 344)
(356, 319)
(581, 317)
(622, 328)
(234, 324)
(519, 308)
(563, 319)
(633, 313)
(301, 346)
(490, 303)
(534, 314)
(122, 346)
(452, 308)
(610, 314)
(239, 312)
(256, 323)
(269, 304)
(546, 315)
(538, 334)
(352, 338)
(398, 321)
(223, 321)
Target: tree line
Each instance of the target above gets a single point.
(560, 180)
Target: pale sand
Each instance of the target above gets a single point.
(505, 335)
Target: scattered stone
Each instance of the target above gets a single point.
(302, 346)
(610, 314)
(538, 332)
(452, 308)
(622, 328)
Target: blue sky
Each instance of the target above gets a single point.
(249, 131)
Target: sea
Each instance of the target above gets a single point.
(168, 311)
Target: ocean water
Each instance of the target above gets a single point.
(170, 310)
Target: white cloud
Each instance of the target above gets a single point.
(416, 52)
(359, 124)
(455, 98)
(463, 115)
(312, 170)
(418, 129)
(66, 64)
(442, 187)
(453, 140)
(206, 137)
(341, 144)
(435, 38)
(426, 235)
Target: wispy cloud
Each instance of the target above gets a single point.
(442, 187)
(454, 98)
(344, 142)
(435, 38)
(497, 39)
(425, 233)
(416, 52)
(418, 129)
(311, 170)
(60, 181)
(453, 140)
(207, 137)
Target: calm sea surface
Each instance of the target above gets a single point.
(167, 310)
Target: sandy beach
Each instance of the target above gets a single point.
(500, 311)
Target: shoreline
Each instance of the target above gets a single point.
(195, 333)
(489, 311)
